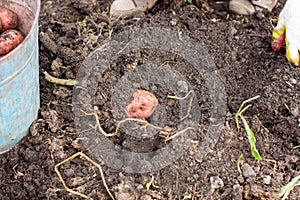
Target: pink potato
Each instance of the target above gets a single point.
(142, 105)
(9, 40)
(8, 19)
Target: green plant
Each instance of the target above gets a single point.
(83, 24)
(151, 184)
(239, 163)
(249, 132)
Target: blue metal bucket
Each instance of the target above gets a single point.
(19, 77)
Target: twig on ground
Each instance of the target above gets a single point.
(89, 160)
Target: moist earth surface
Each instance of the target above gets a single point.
(239, 50)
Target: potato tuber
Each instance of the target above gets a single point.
(9, 40)
(142, 105)
(8, 19)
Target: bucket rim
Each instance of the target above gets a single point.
(35, 22)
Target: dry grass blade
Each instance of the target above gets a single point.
(285, 190)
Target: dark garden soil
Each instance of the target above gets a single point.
(240, 48)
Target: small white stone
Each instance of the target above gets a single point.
(267, 4)
(267, 180)
(126, 8)
(247, 170)
(293, 81)
(182, 86)
(122, 5)
(242, 7)
(237, 193)
(216, 182)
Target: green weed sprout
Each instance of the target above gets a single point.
(285, 190)
(239, 163)
(151, 183)
(189, 1)
(249, 132)
(83, 24)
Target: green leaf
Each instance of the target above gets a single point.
(251, 139)
(189, 1)
(241, 110)
(148, 185)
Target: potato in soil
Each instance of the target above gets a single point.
(8, 19)
(9, 40)
(142, 105)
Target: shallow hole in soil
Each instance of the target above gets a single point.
(139, 138)
(167, 74)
